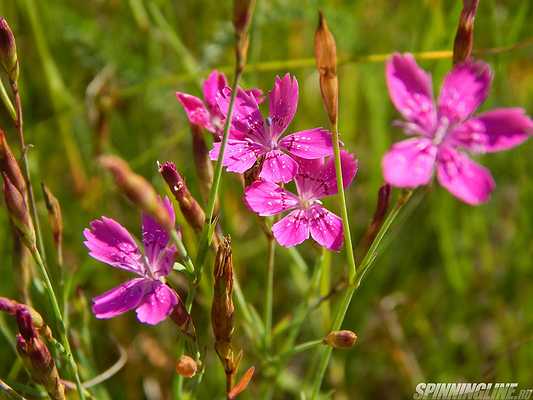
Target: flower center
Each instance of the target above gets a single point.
(441, 131)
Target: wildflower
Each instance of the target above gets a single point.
(444, 130)
(207, 113)
(111, 243)
(252, 136)
(315, 179)
(10, 166)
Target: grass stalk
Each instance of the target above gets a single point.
(269, 293)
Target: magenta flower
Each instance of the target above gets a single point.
(207, 114)
(111, 243)
(252, 136)
(444, 130)
(315, 180)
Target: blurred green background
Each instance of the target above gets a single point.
(449, 298)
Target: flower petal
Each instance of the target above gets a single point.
(410, 163)
(465, 179)
(325, 227)
(155, 237)
(215, 82)
(247, 121)
(309, 144)
(411, 93)
(111, 243)
(292, 229)
(278, 167)
(157, 305)
(495, 130)
(239, 155)
(257, 93)
(464, 89)
(317, 178)
(283, 103)
(196, 111)
(267, 198)
(121, 298)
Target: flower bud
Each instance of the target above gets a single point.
(37, 357)
(18, 212)
(340, 339)
(183, 320)
(10, 166)
(326, 62)
(137, 189)
(202, 162)
(242, 16)
(464, 38)
(11, 307)
(190, 208)
(186, 366)
(223, 309)
(8, 51)
(55, 218)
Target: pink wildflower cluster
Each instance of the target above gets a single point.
(304, 157)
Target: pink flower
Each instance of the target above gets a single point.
(443, 130)
(111, 243)
(252, 136)
(315, 179)
(206, 113)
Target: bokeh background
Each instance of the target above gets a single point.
(449, 298)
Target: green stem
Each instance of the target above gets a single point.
(366, 263)
(300, 348)
(182, 251)
(57, 314)
(9, 392)
(269, 293)
(7, 102)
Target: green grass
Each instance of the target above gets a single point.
(460, 276)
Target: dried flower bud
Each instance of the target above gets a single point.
(190, 208)
(37, 357)
(382, 206)
(137, 189)
(186, 366)
(8, 51)
(326, 62)
(56, 220)
(183, 319)
(202, 161)
(18, 212)
(242, 16)
(223, 309)
(341, 339)
(9, 165)
(464, 38)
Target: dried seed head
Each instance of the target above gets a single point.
(55, 218)
(326, 62)
(242, 17)
(18, 212)
(8, 51)
(137, 189)
(9, 165)
(190, 208)
(223, 309)
(186, 366)
(341, 339)
(464, 38)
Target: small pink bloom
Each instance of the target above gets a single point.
(206, 113)
(315, 180)
(111, 243)
(252, 136)
(444, 130)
